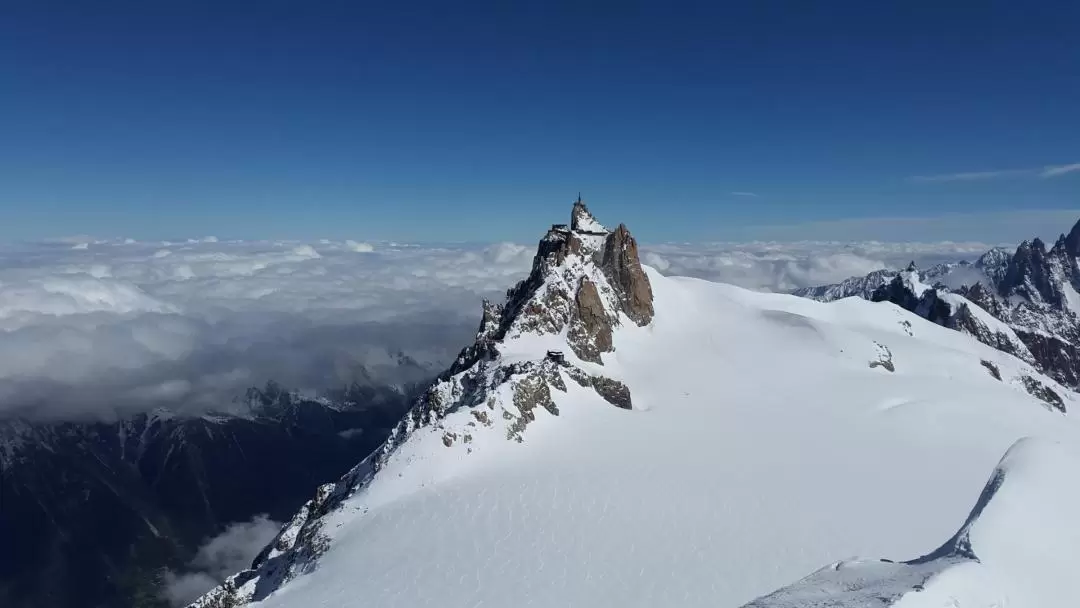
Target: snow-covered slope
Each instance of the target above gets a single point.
(1020, 546)
(1034, 293)
(695, 444)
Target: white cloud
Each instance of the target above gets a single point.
(743, 193)
(133, 325)
(191, 325)
(970, 176)
(359, 247)
(1055, 171)
(778, 266)
(228, 553)
(1048, 171)
(1008, 227)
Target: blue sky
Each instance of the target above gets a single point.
(482, 120)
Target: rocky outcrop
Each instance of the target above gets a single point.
(614, 392)
(1028, 275)
(590, 330)
(623, 268)
(582, 278)
(1044, 393)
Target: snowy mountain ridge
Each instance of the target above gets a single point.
(1030, 297)
(514, 480)
(585, 282)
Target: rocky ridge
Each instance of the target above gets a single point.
(1024, 303)
(585, 282)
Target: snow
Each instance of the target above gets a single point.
(989, 321)
(1018, 547)
(1072, 299)
(762, 444)
(587, 223)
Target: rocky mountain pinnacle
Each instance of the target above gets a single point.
(585, 283)
(583, 276)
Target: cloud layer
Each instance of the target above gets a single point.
(105, 327)
(776, 266)
(224, 555)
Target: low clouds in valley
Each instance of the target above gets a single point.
(220, 557)
(106, 327)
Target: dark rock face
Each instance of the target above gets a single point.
(1044, 393)
(1028, 275)
(1057, 357)
(897, 292)
(103, 507)
(613, 391)
(992, 369)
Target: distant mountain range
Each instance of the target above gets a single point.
(1025, 303)
(93, 513)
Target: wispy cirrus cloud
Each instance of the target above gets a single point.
(1055, 171)
(744, 193)
(968, 176)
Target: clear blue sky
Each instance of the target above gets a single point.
(482, 120)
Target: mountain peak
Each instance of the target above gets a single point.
(1071, 241)
(582, 278)
(581, 220)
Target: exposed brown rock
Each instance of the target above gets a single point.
(590, 327)
(622, 267)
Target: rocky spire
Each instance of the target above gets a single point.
(1029, 274)
(1071, 242)
(582, 278)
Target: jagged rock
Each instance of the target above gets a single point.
(993, 369)
(898, 292)
(623, 268)
(614, 392)
(1057, 358)
(530, 392)
(1028, 275)
(1071, 243)
(1043, 392)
